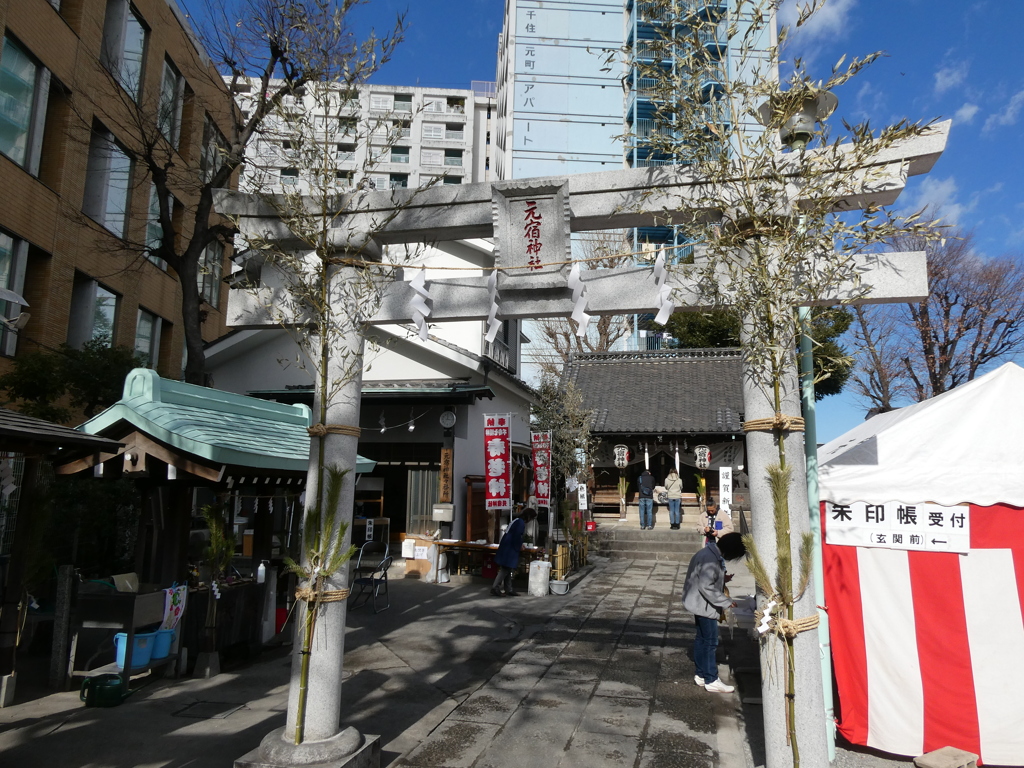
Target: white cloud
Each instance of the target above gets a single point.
(966, 113)
(940, 196)
(831, 20)
(951, 76)
(1008, 115)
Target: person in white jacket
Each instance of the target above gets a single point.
(674, 495)
(704, 596)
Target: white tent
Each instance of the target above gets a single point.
(963, 446)
(927, 642)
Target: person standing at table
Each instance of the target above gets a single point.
(507, 558)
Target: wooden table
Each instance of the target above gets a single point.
(476, 550)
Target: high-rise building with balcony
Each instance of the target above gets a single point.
(391, 136)
(573, 95)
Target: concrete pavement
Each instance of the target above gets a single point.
(451, 677)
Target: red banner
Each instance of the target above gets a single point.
(541, 444)
(498, 460)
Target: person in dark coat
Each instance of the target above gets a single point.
(507, 558)
(645, 491)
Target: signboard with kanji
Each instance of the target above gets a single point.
(531, 233)
(894, 525)
(497, 461)
(725, 488)
(541, 444)
(447, 464)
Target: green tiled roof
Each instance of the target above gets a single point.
(221, 427)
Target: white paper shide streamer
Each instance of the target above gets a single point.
(665, 305)
(493, 323)
(420, 308)
(579, 301)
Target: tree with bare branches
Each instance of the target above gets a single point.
(595, 250)
(973, 318)
(268, 49)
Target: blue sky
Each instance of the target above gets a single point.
(944, 59)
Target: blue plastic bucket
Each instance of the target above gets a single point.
(142, 651)
(162, 644)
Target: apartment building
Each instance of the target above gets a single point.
(559, 106)
(82, 82)
(392, 137)
(572, 98)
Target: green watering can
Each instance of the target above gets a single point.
(102, 691)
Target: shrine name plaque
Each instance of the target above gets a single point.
(531, 234)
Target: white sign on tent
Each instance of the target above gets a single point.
(894, 525)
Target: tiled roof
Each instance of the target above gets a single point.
(221, 427)
(18, 429)
(673, 392)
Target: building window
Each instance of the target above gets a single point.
(452, 180)
(147, 338)
(13, 259)
(108, 176)
(154, 229)
(93, 315)
(24, 85)
(215, 147)
(453, 157)
(403, 102)
(124, 46)
(432, 157)
(210, 270)
(433, 131)
(289, 177)
(346, 153)
(379, 182)
(399, 154)
(382, 101)
(399, 180)
(434, 105)
(172, 92)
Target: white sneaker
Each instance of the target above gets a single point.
(698, 680)
(719, 687)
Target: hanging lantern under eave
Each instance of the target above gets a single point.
(621, 456)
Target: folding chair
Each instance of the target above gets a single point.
(373, 586)
(370, 556)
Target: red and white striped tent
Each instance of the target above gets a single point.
(928, 646)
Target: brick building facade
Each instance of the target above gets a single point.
(82, 82)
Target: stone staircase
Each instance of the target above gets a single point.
(626, 541)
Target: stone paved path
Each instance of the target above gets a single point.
(608, 682)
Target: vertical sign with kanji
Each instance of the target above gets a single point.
(498, 461)
(447, 465)
(541, 444)
(725, 488)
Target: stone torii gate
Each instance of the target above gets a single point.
(519, 288)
